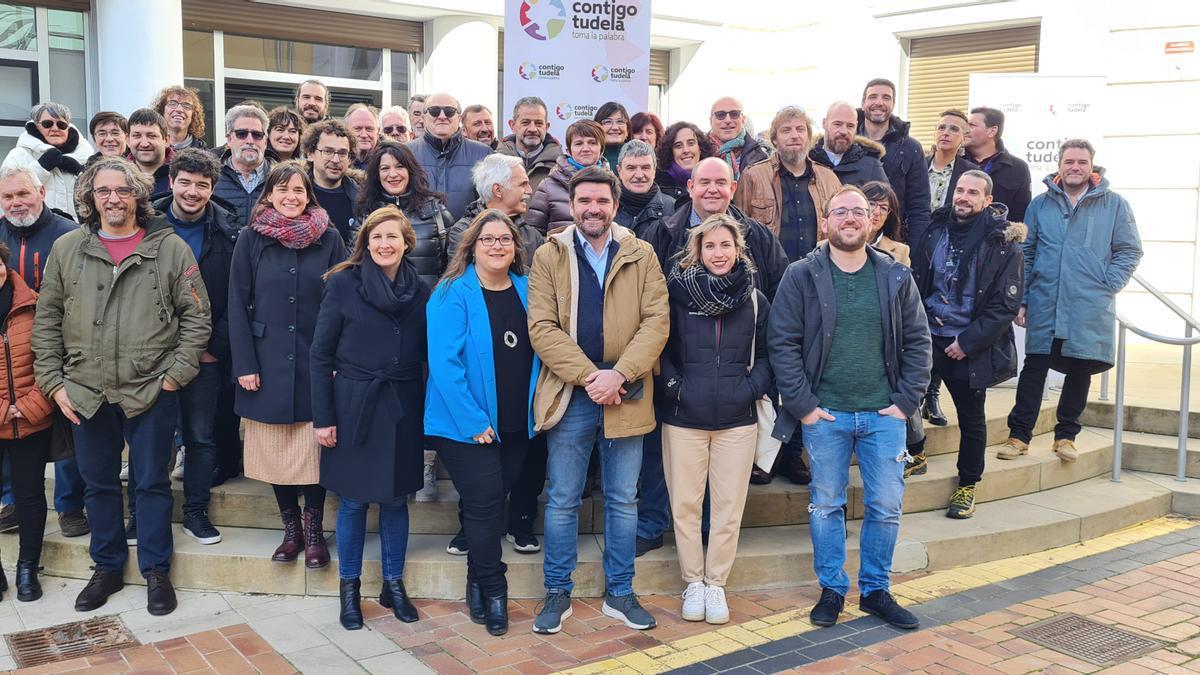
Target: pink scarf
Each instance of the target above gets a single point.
(294, 233)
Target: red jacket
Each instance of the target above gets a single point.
(16, 367)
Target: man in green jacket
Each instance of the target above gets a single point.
(122, 319)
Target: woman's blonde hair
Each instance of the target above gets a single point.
(378, 217)
(464, 255)
(690, 255)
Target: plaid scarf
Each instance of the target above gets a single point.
(710, 295)
(294, 233)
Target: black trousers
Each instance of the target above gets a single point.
(27, 462)
(531, 481)
(1032, 383)
(969, 404)
(483, 475)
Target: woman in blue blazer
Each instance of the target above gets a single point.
(478, 407)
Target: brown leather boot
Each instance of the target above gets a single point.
(293, 537)
(316, 553)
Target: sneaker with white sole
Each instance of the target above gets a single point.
(716, 610)
(429, 492)
(693, 601)
(177, 472)
(555, 609)
(627, 610)
(199, 527)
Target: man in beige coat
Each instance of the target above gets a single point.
(598, 318)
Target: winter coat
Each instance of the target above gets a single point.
(351, 184)
(644, 221)
(674, 191)
(112, 333)
(550, 207)
(750, 154)
(764, 249)
(961, 165)
(448, 167)
(904, 164)
(705, 380)
(274, 297)
(216, 259)
(1076, 261)
(34, 153)
(1011, 181)
(31, 245)
(431, 223)
(462, 399)
(900, 252)
(229, 188)
(999, 285)
(760, 195)
(801, 327)
(377, 395)
(529, 236)
(17, 383)
(538, 166)
(636, 325)
(860, 164)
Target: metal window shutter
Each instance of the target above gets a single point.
(938, 70)
(660, 66)
(243, 17)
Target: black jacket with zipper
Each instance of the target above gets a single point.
(31, 245)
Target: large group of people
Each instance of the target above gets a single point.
(666, 314)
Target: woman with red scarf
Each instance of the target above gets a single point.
(275, 287)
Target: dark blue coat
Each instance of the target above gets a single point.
(448, 167)
(229, 188)
(650, 216)
(31, 245)
(376, 399)
(904, 164)
(274, 296)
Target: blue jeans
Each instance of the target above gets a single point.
(352, 535)
(878, 443)
(570, 445)
(68, 486)
(98, 444)
(198, 408)
(654, 508)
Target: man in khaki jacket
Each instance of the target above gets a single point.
(598, 318)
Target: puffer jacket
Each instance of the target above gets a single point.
(113, 332)
(550, 207)
(760, 195)
(17, 384)
(529, 236)
(229, 188)
(34, 153)
(904, 164)
(538, 166)
(431, 222)
(448, 167)
(861, 163)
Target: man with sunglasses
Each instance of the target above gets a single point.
(446, 155)
(849, 344)
(730, 140)
(326, 146)
(244, 163)
(54, 150)
(395, 124)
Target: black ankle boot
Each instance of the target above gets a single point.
(475, 602)
(395, 597)
(497, 614)
(351, 599)
(931, 408)
(28, 587)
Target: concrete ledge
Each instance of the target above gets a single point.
(1140, 418)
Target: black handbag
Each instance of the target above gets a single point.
(62, 437)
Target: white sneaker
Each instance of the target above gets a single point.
(124, 472)
(715, 609)
(428, 493)
(177, 472)
(693, 601)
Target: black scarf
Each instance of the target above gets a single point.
(391, 297)
(711, 295)
(6, 299)
(965, 240)
(636, 202)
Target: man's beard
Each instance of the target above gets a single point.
(531, 142)
(839, 242)
(25, 221)
(590, 230)
(115, 218)
(791, 157)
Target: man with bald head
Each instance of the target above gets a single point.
(730, 139)
(446, 155)
(855, 159)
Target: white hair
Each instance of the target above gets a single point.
(237, 112)
(10, 171)
(494, 169)
(394, 110)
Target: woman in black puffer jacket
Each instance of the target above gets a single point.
(394, 177)
(714, 370)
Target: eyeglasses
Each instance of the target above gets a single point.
(102, 133)
(437, 110)
(103, 193)
(881, 206)
(50, 124)
(243, 133)
(489, 240)
(330, 152)
(171, 105)
(609, 124)
(842, 212)
(731, 114)
(395, 129)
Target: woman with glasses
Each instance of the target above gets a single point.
(615, 120)
(283, 133)
(367, 400)
(550, 207)
(482, 374)
(887, 228)
(54, 150)
(683, 146)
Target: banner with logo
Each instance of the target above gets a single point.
(576, 55)
(1040, 112)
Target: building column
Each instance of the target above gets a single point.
(139, 47)
(461, 60)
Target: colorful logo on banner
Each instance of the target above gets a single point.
(527, 70)
(564, 111)
(599, 73)
(543, 19)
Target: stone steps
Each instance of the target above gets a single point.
(768, 557)
(1141, 418)
(1158, 453)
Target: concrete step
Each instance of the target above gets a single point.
(1143, 418)
(1158, 453)
(768, 557)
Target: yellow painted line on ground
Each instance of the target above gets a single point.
(704, 646)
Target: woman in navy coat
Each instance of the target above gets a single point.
(368, 401)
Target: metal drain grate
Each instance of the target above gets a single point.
(1087, 640)
(69, 641)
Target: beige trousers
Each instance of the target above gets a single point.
(692, 457)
